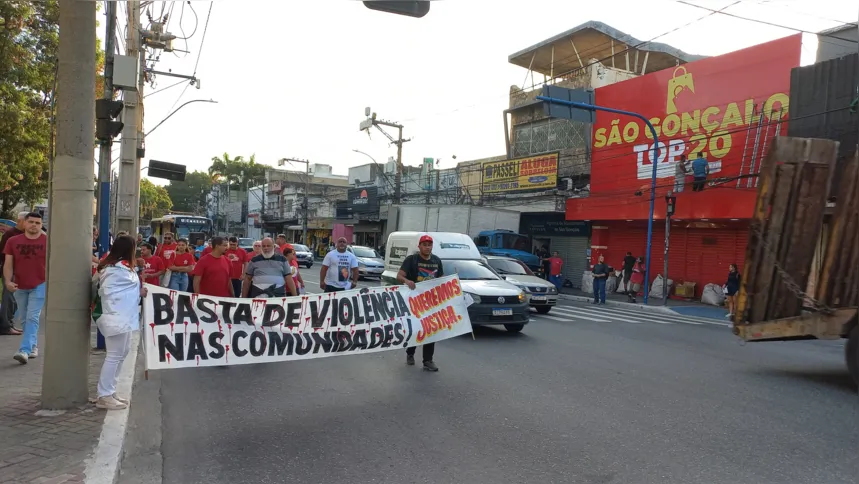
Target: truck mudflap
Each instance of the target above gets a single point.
(833, 325)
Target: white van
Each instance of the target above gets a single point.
(496, 302)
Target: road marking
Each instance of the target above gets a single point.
(605, 314)
(675, 316)
(578, 316)
(581, 314)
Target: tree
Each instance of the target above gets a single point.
(29, 42)
(236, 171)
(190, 195)
(154, 200)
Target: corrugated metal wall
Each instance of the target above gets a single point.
(700, 255)
(820, 96)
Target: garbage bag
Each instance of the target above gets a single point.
(656, 287)
(588, 282)
(621, 286)
(713, 295)
(611, 284)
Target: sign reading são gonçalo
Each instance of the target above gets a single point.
(185, 330)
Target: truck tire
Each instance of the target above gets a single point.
(851, 354)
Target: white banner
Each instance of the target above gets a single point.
(184, 330)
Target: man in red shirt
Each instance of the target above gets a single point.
(167, 247)
(555, 266)
(212, 273)
(238, 258)
(24, 276)
(153, 266)
(180, 264)
(282, 245)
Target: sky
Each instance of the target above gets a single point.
(292, 78)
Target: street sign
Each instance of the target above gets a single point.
(555, 110)
(167, 171)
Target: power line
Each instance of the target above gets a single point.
(203, 41)
(166, 88)
(771, 24)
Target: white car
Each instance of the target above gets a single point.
(370, 262)
(544, 294)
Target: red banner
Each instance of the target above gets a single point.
(711, 106)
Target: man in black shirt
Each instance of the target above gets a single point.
(422, 266)
(600, 273)
(628, 264)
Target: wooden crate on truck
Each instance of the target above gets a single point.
(801, 274)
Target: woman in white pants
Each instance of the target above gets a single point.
(120, 291)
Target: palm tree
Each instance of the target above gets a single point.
(236, 171)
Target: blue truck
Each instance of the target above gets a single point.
(507, 243)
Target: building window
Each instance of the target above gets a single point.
(549, 135)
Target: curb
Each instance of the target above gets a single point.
(103, 467)
(654, 309)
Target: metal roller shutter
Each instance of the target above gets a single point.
(574, 252)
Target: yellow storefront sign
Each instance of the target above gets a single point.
(532, 173)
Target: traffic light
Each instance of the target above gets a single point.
(106, 110)
(409, 8)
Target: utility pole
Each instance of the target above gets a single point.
(305, 204)
(103, 207)
(670, 202)
(128, 200)
(67, 315)
(378, 123)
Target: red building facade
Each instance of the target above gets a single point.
(727, 108)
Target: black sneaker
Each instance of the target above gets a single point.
(410, 360)
(430, 366)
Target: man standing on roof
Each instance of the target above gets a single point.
(419, 267)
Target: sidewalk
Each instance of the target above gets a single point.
(677, 306)
(39, 446)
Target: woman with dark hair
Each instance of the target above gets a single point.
(732, 287)
(119, 289)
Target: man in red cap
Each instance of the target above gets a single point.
(419, 267)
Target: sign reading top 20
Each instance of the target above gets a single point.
(521, 174)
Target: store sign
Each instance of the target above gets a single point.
(363, 200)
(711, 106)
(521, 174)
(552, 224)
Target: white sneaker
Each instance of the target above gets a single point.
(120, 400)
(21, 357)
(110, 403)
(34, 353)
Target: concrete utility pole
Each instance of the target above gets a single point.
(64, 378)
(372, 121)
(306, 203)
(104, 152)
(128, 201)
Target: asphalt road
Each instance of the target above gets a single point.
(585, 395)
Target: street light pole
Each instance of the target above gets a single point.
(655, 160)
(306, 203)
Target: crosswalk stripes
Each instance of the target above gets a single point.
(613, 314)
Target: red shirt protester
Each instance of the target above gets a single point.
(237, 258)
(152, 265)
(214, 273)
(165, 251)
(555, 266)
(182, 260)
(207, 250)
(29, 257)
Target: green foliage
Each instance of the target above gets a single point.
(237, 171)
(154, 200)
(190, 195)
(29, 43)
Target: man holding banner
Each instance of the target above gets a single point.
(423, 266)
(337, 266)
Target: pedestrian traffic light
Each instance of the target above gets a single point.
(106, 110)
(409, 8)
(670, 204)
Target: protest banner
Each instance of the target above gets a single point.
(183, 330)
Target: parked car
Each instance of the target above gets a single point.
(544, 294)
(303, 255)
(246, 243)
(370, 262)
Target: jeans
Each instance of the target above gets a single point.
(698, 183)
(599, 290)
(556, 280)
(118, 347)
(178, 281)
(429, 351)
(237, 287)
(679, 183)
(30, 302)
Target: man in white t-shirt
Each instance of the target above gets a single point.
(337, 267)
